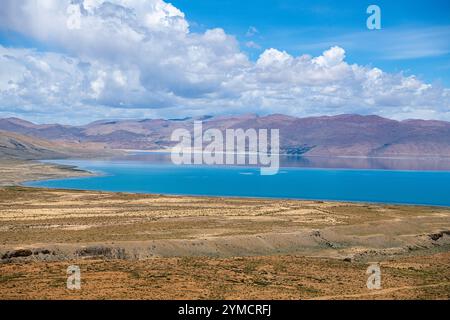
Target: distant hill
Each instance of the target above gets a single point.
(343, 135)
(18, 146)
(13, 145)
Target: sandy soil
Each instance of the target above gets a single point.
(167, 247)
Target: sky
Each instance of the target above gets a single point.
(77, 61)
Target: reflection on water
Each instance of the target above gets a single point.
(418, 181)
(420, 164)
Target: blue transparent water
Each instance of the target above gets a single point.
(161, 177)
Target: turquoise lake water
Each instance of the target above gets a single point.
(342, 180)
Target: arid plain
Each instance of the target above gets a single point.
(131, 246)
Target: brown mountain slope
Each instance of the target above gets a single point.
(344, 135)
(18, 146)
(13, 145)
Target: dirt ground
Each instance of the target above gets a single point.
(146, 226)
(131, 246)
(272, 277)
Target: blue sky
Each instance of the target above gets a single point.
(301, 26)
(153, 58)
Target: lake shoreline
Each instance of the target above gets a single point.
(14, 172)
(26, 172)
(157, 176)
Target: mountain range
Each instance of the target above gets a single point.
(342, 135)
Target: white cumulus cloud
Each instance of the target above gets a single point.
(138, 58)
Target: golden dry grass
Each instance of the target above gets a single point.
(218, 248)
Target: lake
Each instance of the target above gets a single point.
(396, 181)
